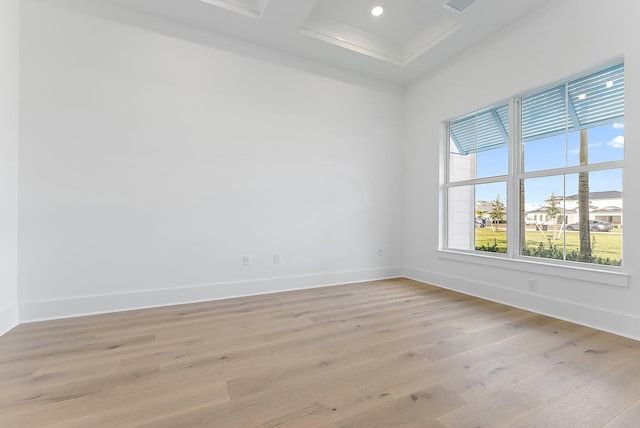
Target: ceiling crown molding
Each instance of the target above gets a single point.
(252, 8)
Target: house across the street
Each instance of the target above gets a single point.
(603, 206)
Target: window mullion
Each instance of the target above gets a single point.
(573, 169)
(496, 179)
(513, 183)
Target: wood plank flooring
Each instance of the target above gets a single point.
(394, 353)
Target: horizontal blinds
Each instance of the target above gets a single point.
(544, 114)
(589, 101)
(599, 97)
(485, 130)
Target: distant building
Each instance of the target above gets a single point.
(604, 206)
(483, 209)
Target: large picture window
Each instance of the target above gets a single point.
(565, 179)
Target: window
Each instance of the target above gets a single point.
(478, 171)
(562, 197)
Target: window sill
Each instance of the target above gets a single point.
(606, 276)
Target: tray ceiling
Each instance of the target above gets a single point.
(408, 40)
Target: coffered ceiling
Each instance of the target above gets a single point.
(409, 39)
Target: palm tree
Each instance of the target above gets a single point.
(583, 201)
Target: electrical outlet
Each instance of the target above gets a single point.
(277, 258)
(246, 260)
(380, 252)
(533, 285)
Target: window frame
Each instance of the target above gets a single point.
(614, 275)
(444, 238)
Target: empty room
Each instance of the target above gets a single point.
(319, 213)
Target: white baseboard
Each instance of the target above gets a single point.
(589, 316)
(601, 319)
(91, 305)
(8, 318)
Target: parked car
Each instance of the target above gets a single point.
(594, 226)
(479, 224)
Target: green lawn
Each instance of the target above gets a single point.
(607, 244)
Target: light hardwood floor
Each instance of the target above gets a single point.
(379, 354)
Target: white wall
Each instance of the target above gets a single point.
(149, 165)
(9, 124)
(569, 38)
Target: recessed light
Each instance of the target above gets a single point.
(582, 96)
(609, 84)
(377, 11)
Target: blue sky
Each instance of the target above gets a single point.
(606, 143)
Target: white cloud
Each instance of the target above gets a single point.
(617, 143)
(574, 151)
(595, 145)
(618, 125)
